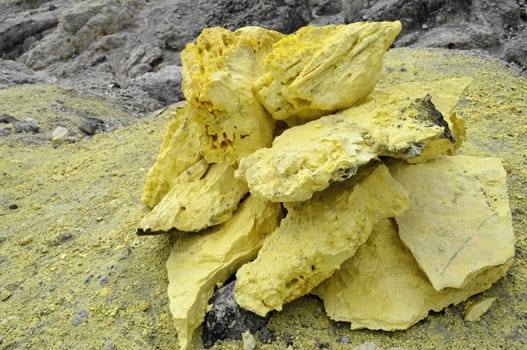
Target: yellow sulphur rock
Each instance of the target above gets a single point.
(218, 73)
(202, 196)
(459, 222)
(316, 237)
(180, 149)
(475, 311)
(320, 70)
(382, 286)
(201, 261)
(445, 95)
(307, 158)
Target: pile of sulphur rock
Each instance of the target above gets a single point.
(288, 167)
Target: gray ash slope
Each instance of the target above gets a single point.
(128, 50)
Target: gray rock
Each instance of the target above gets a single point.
(90, 126)
(15, 73)
(16, 30)
(226, 319)
(26, 126)
(163, 85)
(79, 27)
(79, 316)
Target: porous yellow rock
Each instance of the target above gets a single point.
(180, 149)
(459, 222)
(199, 262)
(382, 287)
(307, 158)
(320, 70)
(202, 196)
(218, 73)
(316, 237)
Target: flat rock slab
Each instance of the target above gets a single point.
(459, 222)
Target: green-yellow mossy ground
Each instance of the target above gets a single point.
(73, 275)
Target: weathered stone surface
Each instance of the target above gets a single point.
(307, 158)
(180, 149)
(218, 73)
(202, 196)
(316, 237)
(382, 287)
(459, 223)
(199, 262)
(320, 70)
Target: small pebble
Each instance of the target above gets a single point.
(266, 336)
(13, 206)
(5, 295)
(248, 341)
(99, 219)
(65, 236)
(144, 306)
(59, 135)
(79, 317)
(345, 339)
(91, 125)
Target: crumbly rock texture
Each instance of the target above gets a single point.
(316, 237)
(199, 262)
(180, 149)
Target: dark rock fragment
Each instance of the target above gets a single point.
(20, 126)
(266, 336)
(65, 236)
(26, 127)
(6, 118)
(226, 319)
(90, 126)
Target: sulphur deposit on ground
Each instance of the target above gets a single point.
(73, 274)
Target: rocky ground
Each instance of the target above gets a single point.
(72, 273)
